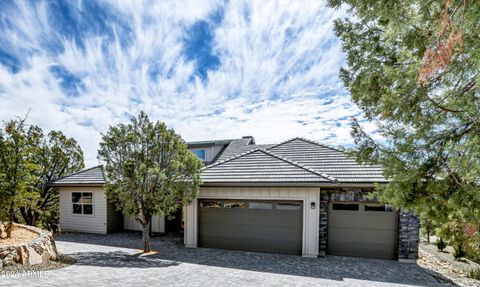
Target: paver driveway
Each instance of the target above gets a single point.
(113, 260)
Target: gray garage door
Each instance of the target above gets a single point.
(264, 226)
(362, 230)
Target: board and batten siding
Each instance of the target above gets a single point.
(114, 218)
(158, 224)
(307, 195)
(94, 223)
(210, 152)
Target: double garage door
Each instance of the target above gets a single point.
(362, 230)
(265, 226)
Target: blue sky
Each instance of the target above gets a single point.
(208, 69)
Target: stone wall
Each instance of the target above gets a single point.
(408, 236)
(34, 252)
(323, 228)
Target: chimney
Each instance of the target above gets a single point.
(252, 140)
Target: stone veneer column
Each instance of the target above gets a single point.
(323, 223)
(408, 237)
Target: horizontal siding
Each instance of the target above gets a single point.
(95, 223)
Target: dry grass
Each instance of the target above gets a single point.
(19, 236)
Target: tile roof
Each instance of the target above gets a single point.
(238, 146)
(260, 165)
(90, 176)
(328, 160)
(293, 161)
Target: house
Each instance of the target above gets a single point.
(295, 197)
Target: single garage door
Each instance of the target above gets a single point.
(264, 226)
(362, 230)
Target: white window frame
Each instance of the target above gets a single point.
(93, 203)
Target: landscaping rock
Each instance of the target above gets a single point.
(37, 251)
(33, 257)
(22, 255)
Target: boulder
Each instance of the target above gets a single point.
(33, 257)
(22, 255)
(9, 259)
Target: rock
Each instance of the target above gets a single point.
(33, 257)
(9, 260)
(22, 256)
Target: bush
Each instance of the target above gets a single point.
(474, 274)
(441, 244)
(458, 251)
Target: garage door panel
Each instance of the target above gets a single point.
(360, 236)
(265, 230)
(362, 233)
(251, 231)
(351, 248)
(365, 221)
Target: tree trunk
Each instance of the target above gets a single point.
(427, 228)
(11, 214)
(146, 235)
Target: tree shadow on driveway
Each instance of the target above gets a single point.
(120, 259)
(121, 250)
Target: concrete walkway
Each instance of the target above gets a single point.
(114, 260)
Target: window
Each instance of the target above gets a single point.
(236, 204)
(260, 205)
(385, 208)
(82, 202)
(288, 206)
(345, 206)
(210, 204)
(200, 153)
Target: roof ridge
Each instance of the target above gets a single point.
(322, 174)
(309, 141)
(231, 158)
(80, 171)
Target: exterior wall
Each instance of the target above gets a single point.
(114, 218)
(95, 223)
(158, 224)
(210, 151)
(408, 237)
(306, 194)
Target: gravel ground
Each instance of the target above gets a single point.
(19, 236)
(444, 263)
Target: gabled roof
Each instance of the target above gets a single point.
(90, 176)
(325, 159)
(238, 146)
(261, 166)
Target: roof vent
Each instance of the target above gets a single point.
(252, 140)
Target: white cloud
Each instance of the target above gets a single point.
(277, 78)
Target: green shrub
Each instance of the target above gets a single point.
(441, 244)
(474, 274)
(458, 251)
